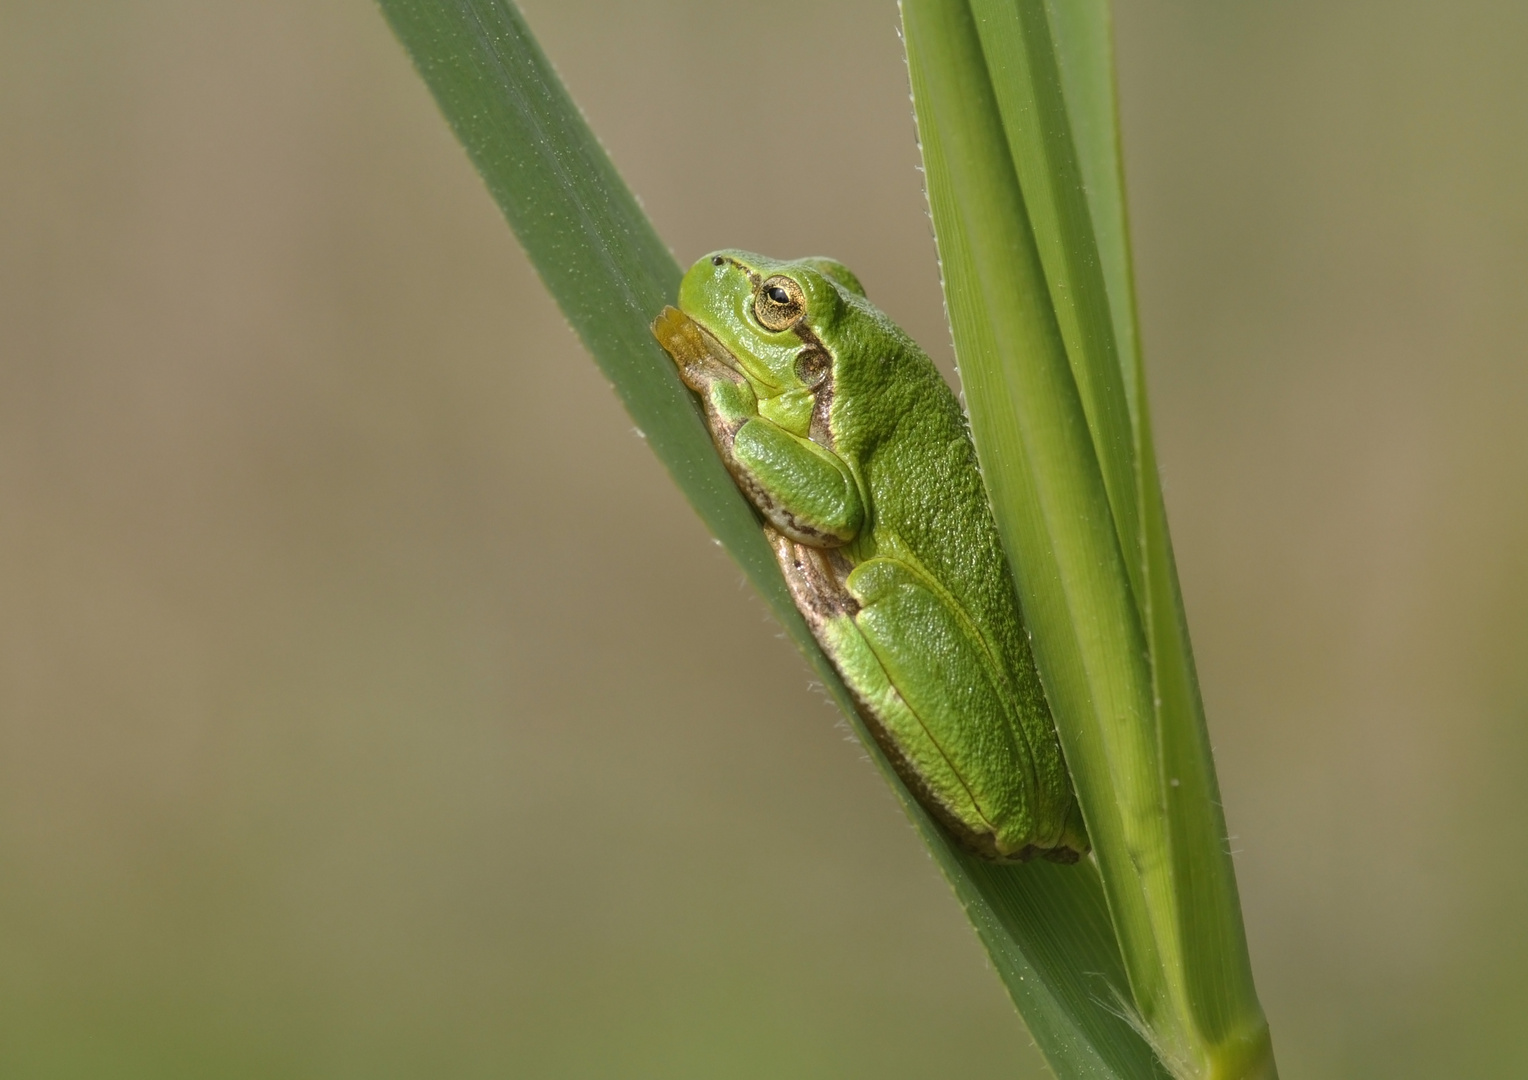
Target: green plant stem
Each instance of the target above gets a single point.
(1059, 415)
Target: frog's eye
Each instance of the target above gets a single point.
(779, 303)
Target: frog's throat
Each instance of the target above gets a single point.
(689, 343)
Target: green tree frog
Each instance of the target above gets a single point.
(842, 433)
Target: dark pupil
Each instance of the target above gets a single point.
(779, 295)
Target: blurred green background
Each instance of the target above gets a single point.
(371, 705)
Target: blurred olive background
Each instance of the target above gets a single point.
(371, 705)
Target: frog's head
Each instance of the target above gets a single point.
(779, 320)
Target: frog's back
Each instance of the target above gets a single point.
(901, 425)
(907, 436)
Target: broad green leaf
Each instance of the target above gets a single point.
(1016, 113)
(1046, 927)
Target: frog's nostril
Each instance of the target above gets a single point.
(717, 260)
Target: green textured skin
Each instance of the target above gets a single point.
(841, 431)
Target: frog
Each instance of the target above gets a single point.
(856, 455)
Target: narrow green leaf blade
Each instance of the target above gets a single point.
(1025, 74)
(1046, 927)
(1085, 51)
(1220, 982)
(587, 237)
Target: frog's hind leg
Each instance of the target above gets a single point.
(923, 690)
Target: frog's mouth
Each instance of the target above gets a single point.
(693, 348)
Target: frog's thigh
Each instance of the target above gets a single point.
(943, 674)
(921, 763)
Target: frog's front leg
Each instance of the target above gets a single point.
(804, 490)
